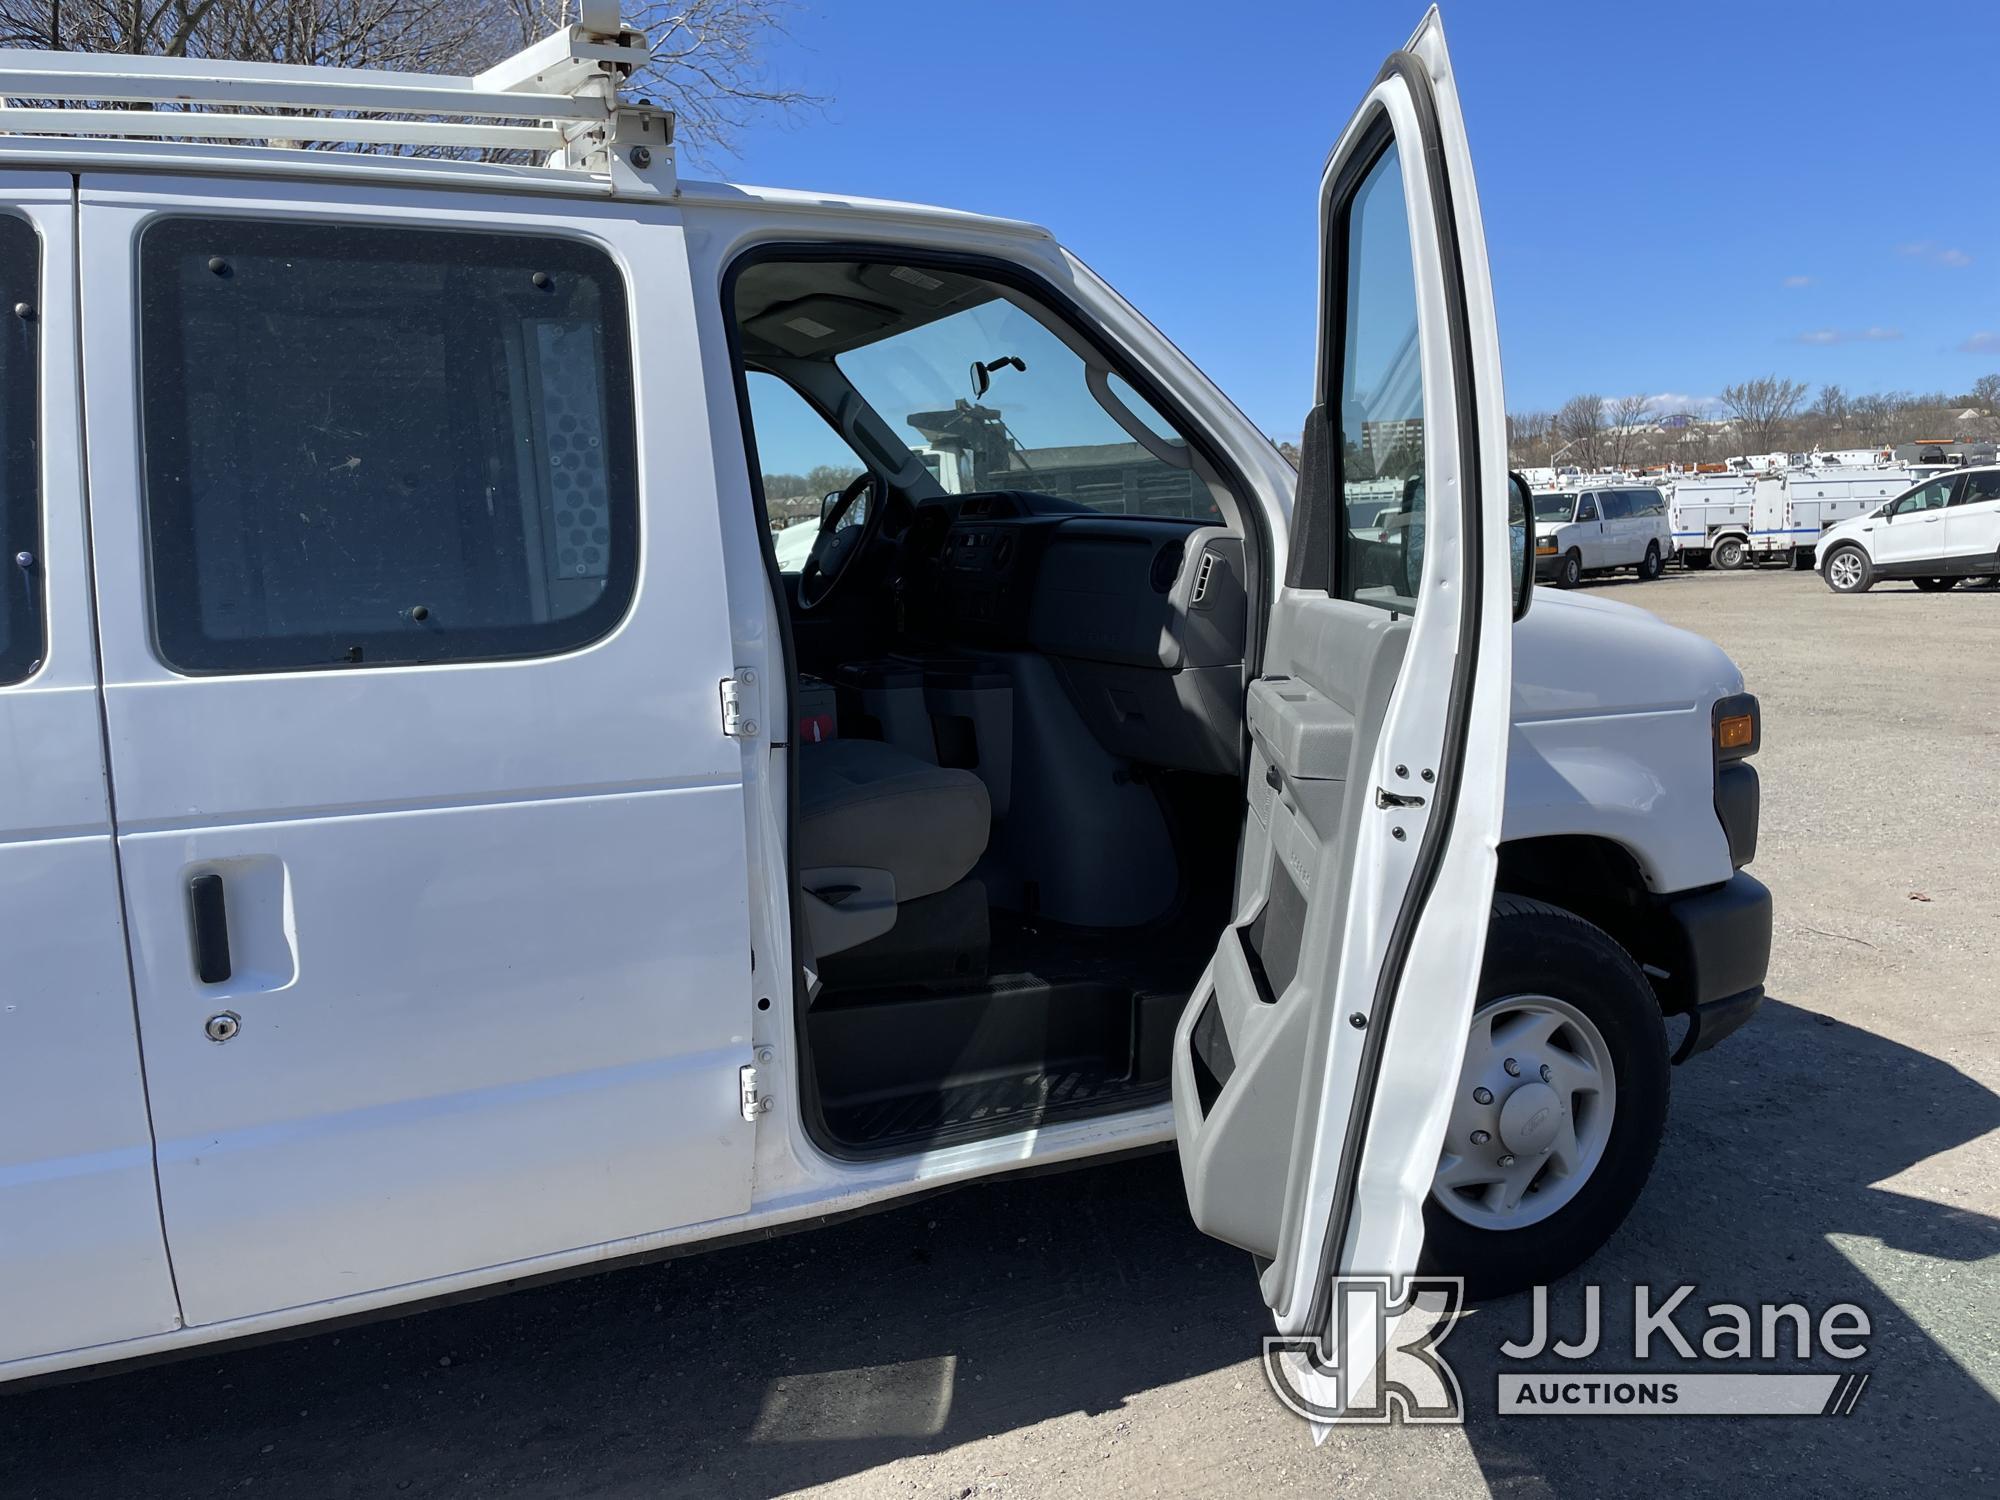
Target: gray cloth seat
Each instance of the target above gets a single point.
(867, 804)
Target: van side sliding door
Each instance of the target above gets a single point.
(413, 631)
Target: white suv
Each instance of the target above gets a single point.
(1935, 533)
(1592, 531)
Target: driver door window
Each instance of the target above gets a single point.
(804, 460)
(1932, 496)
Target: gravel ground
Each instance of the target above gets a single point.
(1073, 1335)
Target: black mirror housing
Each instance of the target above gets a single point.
(1521, 529)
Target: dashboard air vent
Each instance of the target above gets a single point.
(1201, 577)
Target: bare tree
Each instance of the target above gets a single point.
(1986, 391)
(1761, 405)
(1871, 415)
(1829, 413)
(708, 55)
(1579, 427)
(1630, 416)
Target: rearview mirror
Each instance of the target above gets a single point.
(1521, 540)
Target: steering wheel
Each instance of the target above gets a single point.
(837, 546)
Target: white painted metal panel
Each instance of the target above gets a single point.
(489, 919)
(81, 1258)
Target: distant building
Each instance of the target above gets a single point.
(1381, 439)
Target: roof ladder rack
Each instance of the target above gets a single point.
(558, 98)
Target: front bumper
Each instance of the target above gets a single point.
(1545, 565)
(1718, 952)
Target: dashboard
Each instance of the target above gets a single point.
(1145, 617)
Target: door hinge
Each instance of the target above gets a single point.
(755, 1101)
(739, 705)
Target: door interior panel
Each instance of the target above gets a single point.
(1314, 719)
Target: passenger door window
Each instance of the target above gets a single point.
(369, 446)
(1931, 497)
(1380, 411)
(1587, 511)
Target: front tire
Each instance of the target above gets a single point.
(1569, 573)
(1650, 566)
(1934, 585)
(1848, 571)
(1543, 1191)
(1730, 553)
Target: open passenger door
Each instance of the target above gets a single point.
(1313, 1066)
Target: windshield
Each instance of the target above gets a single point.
(1554, 507)
(989, 398)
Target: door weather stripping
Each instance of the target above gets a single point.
(739, 705)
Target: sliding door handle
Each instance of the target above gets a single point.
(210, 914)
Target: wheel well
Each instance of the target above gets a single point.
(1601, 882)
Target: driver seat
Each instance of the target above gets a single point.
(879, 829)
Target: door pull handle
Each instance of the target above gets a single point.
(209, 909)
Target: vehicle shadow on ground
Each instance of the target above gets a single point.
(778, 1365)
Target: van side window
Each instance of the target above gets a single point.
(366, 446)
(20, 468)
(1617, 505)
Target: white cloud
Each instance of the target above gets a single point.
(1983, 342)
(1931, 250)
(1666, 403)
(1798, 281)
(1871, 335)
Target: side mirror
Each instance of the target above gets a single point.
(826, 504)
(1521, 535)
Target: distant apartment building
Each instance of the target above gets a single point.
(1381, 439)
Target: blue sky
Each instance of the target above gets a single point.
(1676, 197)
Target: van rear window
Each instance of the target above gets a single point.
(368, 446)
(20, 448)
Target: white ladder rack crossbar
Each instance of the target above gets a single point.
(557, 96)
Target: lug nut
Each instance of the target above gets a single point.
(1507, 1161)
(1480, 1137)
(1482, 1096)
(1545, 1072)
(1513, 1068)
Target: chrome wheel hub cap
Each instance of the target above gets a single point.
(1532, 1115)
(1846, 570)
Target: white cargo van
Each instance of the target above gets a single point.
(1597, 529)
(441, 846)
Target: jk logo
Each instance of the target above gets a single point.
(1378, 1359)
